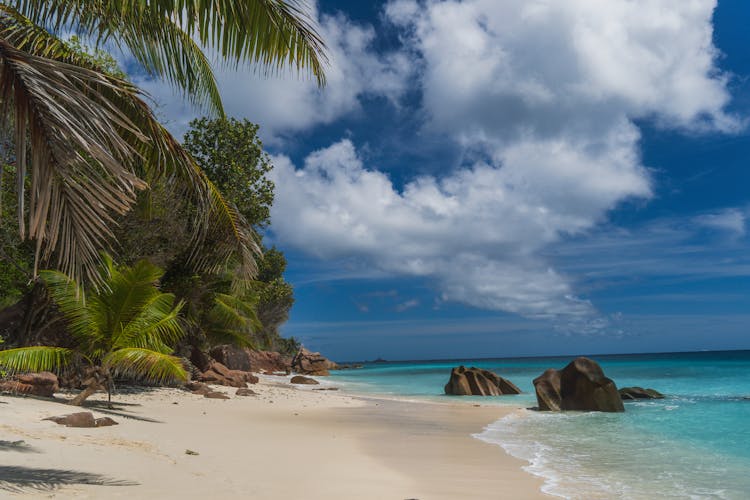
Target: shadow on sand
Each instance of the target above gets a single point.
(18, 479)
(19, 446)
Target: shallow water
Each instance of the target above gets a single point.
(693, 444)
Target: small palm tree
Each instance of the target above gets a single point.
(126, 328)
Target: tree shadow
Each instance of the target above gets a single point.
(19, 446)
(19, 479)
(122, 413)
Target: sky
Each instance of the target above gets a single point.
(488, 178)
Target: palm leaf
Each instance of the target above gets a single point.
(157, 327)
(152, 153)
(35, 359)
(147, 365)
(78, 155)
(271, 33)
(232, 320)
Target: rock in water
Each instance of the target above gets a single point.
(547, 386)
(44, 384)
(299, 379)
(581, 385)
(477, 382)
(630, 393)
(312, 363)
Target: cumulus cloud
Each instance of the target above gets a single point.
(288, 102)
(549, 93)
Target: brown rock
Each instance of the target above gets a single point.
(44, 384)
(299, 379)
(215, 395)
(245, 359)
(630, 393)
(581, 386)
(80, 419)
(547, 386)
(105, 422)
(477, 382)
(312, 363)
(245, 392)
(219, 374)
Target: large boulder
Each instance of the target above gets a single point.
(312, 363)
(219, 374)
(631, 393)
(244, 359)
(581, 386)
(547, 386)
(44, 384)
(477, 382)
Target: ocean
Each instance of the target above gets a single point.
(695, 443)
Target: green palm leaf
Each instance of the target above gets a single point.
(156, 327)
(35, 359)
(232, 320)
(146, 365)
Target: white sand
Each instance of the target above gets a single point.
(284, 443)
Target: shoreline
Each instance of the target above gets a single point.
(282, 443)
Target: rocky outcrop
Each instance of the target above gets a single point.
(244, 359)
(312, 363)
(219, 374)
(581, 386)
(44, 384)
(82, 419)
(215, 395)
(299, 379)
(631, 393)
(478, 382)
(547, 386)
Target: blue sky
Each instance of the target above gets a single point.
(499, 178)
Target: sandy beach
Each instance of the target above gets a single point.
(285, 442)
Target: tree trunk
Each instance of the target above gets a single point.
(84, 394)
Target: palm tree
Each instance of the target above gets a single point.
(126, 329)
(89, 142)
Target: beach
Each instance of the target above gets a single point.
(284, 442)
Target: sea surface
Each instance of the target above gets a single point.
(693, 444)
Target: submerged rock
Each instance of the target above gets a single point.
(630, 393)
(477, 382)
(82, 419)
(299, 379)
(580, 386)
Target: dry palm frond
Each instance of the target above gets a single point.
(133, 143)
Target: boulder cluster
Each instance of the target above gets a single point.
(579, 386)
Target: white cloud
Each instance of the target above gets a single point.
(730, 220)
(288, 102)
(475, 232)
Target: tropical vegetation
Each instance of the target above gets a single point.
(87, 170)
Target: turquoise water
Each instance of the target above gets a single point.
(693, 444)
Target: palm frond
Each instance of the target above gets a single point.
(157, 327)
(35, 359)
(271, 33)
(78, 154)
(232, 320)
(145, 364)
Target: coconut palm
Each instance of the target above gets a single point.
(88, 141)
(125, 329)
